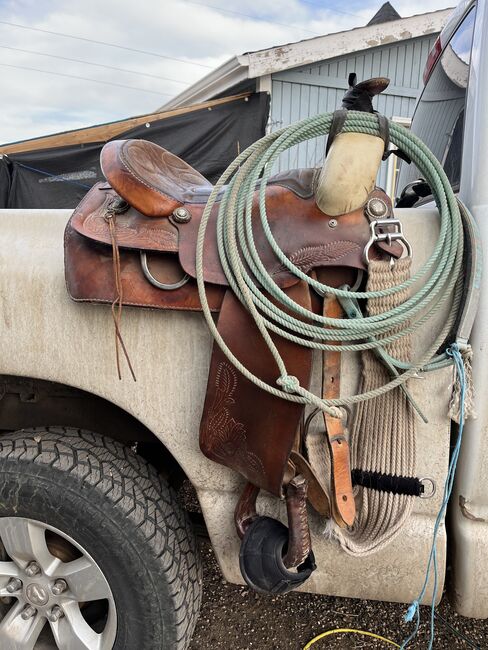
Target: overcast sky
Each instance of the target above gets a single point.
(202, 34)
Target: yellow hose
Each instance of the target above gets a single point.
(350, 631)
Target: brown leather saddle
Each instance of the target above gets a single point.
(131, 241)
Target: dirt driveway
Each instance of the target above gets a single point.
(234, 618)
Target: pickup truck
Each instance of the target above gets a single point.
(449, 118)
(98, 552)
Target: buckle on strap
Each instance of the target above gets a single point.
(389, 237)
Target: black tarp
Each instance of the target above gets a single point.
(4, 181)
(207, 139)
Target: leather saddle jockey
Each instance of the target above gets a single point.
(131, 241)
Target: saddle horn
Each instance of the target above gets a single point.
(352, 161)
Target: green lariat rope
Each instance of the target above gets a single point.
(441, 274)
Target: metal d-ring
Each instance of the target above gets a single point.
(156, 283)
(357, 284)
(426, 480)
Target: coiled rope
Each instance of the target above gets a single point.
(276, 313)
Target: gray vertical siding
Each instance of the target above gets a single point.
(318, 88)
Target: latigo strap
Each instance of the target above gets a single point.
(343, 506)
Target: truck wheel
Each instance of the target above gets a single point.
(97, 552)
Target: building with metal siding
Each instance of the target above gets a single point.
(310, 76)
(309, 90)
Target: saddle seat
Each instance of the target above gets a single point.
(151, 179)
(155, 181)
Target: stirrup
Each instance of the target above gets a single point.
(261, 558)
(273, 558)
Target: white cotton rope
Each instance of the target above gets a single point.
(383, 434)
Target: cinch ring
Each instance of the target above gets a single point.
(427, 479)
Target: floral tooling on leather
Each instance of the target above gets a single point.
(310, 257)
(224, 438)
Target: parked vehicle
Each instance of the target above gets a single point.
(450, 118)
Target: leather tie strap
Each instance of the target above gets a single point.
(117, 303)
(338, 121)
(342, 499)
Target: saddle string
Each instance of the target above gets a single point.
(117, 304)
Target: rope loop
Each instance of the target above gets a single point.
(411, 611)
(435, 285)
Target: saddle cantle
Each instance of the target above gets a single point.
(153, 180)
(144, 223)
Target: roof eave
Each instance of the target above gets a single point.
(293, 55)
(216, 82)
(329, 46)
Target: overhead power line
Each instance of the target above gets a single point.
(336, 11)
(98, 65)
(92, 40)
(238, 13)
(96, 81)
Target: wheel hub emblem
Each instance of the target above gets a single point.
(37, 595)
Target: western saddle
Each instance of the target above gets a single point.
(131, 241)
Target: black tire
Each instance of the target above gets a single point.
(117, 507)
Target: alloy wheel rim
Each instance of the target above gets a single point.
(40, 589)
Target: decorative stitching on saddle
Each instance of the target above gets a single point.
(148, 185)
(184, 168)
(224, 438)
(309, 257)
(304, 530)
(85, 200)
(95, 226)
(304, 534)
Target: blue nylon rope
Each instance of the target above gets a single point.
(414, 610)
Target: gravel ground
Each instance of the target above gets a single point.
(236, 618)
